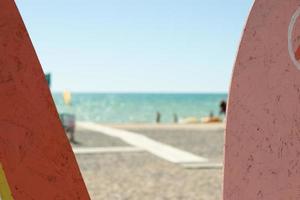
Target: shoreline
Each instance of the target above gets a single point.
(210, 126)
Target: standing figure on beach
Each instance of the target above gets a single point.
(223, 106)
(158, 115)
(211, 114)
(175, 117)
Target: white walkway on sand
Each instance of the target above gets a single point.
(96, 150)
(203, 165)
(140, 141)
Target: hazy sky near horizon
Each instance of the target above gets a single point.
(136, 45)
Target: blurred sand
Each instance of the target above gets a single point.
(200, 126)
(141, 175)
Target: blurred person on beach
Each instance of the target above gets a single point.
(223, 106)
(158, 116)
(175, 117)
(211, 114)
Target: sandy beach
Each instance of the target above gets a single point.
(142, 175)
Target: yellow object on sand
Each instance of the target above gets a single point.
(189, 120)
(67, 97)
(211, 119)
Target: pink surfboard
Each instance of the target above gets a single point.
(262, 150)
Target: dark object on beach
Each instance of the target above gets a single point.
(223, 106)
(158, 116)
(48, 78)
(68, 122)
(175, 118)
(211, 114)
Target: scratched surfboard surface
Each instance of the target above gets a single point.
(34, 152)
(262, 150)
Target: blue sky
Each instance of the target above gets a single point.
(136, 45)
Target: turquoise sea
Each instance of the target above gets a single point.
(138, 108)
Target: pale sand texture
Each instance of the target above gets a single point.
(211, 126)
(144, 176)
(203, 140)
